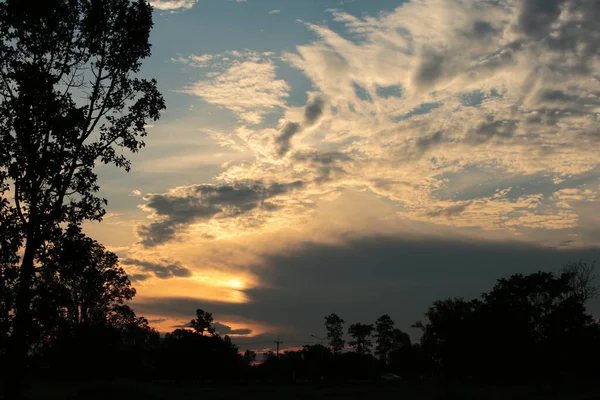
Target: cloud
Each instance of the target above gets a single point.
(476, 117)
(135, 193)
(274, 11)
(164, 269)
(181, 207)
(312, 112)
(248, 86)
(477, 88)
(173, 4)
(361, 278)
(227, 330)
(138, 277)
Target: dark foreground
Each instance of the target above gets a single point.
(115, 390)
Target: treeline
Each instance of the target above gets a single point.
(527, 328)
(82, 328)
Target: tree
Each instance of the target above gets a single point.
(384, 327)
(538, 321)
(203, 322)
(581, 278)
(450, 334)
(400, 340)
(249, 357)
(527, 326)
(335, 331)
(361, 334)
(79, 297)
(81, 279)
(69, 97)
(10, 241)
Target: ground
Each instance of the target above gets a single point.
(116, 390)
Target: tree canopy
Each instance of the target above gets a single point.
(69, 97)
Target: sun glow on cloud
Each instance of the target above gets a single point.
(472, 117)
(430, 90)
(173, 4)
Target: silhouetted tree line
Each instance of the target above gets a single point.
(82, 328)
(527, 328)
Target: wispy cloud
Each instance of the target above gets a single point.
(163, 269)
(274, 11)
(246, 83)
(173, 4)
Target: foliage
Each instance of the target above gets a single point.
(69, 98)
(188, 355)
(335, 331)
(384, 327)
(536, 324)
(361, 337)
(203, 322)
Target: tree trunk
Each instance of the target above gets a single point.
(4, 326)
(18, 346)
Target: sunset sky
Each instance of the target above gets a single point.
(356, 156)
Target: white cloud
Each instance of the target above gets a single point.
(274, 11)
(173, 4)
(423, 105)
(246, 83)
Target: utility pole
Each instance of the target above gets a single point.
(278, 342)
(321, 348)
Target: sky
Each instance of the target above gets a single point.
(358, 157)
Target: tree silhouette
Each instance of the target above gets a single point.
(69, 97)
(384, 327)
(335, 331)
(82, 279)
(10, 241)
(527, 327)
(203, 322)
(449, 334)
(581, 278)
(361, 337)
(249, 357)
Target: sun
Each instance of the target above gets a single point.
(235, 284)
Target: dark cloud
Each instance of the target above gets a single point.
(552, 115)
(537, 16)
(577, 36)
(449, 212)
(314, 110)
(426, 142)
(283, 140)
(312, 113)
(203, 202)
(139, 277)
(482, 29)
(364, 278)
(227, 330)
(328, 164)
(557, 96)
(485, 131)
(162, 270)
(430, 69)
